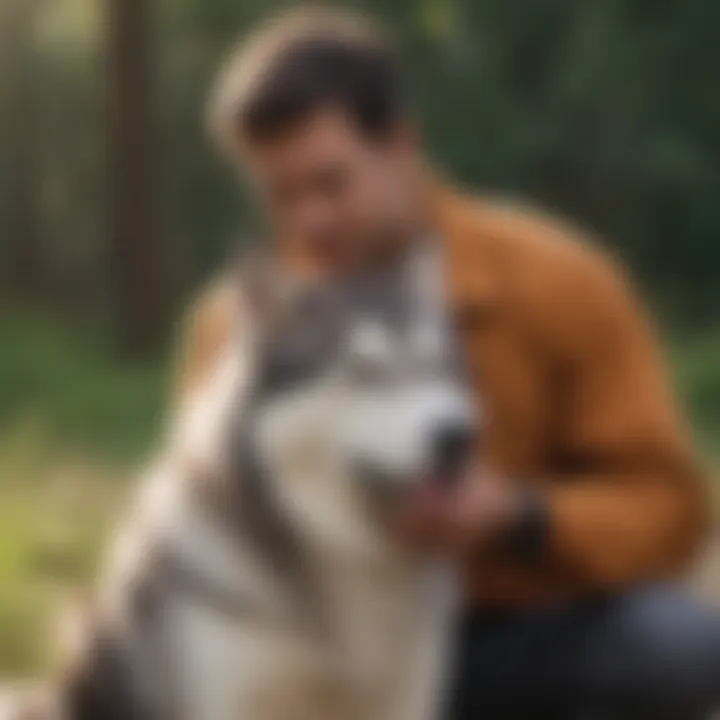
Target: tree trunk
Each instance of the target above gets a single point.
(136, 268)
(20, 226)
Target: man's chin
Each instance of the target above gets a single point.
(336, 254)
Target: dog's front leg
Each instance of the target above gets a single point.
(208, 664)
(426, 682)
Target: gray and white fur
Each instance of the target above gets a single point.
(255, 578)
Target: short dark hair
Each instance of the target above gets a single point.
(302, 62)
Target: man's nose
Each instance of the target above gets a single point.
(451, 445)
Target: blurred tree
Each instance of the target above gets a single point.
(136, 263)
(20, 127)
(600, 109)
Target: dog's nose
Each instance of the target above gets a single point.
(451, 447)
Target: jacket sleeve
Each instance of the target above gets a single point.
(630, 503)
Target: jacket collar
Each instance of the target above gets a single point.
(472, 277)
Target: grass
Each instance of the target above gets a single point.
(73, 424)
(60, 391)
(51, 531)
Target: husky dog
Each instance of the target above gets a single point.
(257, 579)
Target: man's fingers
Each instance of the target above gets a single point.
(426, 517)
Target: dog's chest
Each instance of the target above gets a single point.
(387, 630)
(388, 659)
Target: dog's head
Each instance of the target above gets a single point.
(358, 380)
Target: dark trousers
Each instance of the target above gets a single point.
(648, 654)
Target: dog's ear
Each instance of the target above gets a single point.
(268, 290)
(261, 285)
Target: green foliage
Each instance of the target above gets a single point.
(59, 390)
(697, 363)
(600, 109)
(52, 532)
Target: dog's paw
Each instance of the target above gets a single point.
(28, 703)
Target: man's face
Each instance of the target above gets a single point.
(342, 195)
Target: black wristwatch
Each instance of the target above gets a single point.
(527, 539)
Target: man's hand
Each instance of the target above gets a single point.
(463, 520)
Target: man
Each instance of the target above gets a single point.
(586, 505)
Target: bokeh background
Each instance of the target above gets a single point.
(113, 209)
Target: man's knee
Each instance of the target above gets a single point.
(659, 649)
(651, 653)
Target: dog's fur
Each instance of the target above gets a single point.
(256, 580)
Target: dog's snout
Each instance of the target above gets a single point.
(452, 443)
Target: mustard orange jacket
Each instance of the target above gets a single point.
(577, 401)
